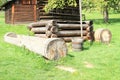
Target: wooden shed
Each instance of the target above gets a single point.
(20, 11)
(26, 11)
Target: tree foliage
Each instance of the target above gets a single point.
(2, 2)
(101, 4)
(59, 4)
(106, 5)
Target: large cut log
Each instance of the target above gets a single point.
(52, 48)
(39, 30)
(103, 35)
(70, 33)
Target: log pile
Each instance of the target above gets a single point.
(61, 29)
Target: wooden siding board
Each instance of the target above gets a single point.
(24, 13)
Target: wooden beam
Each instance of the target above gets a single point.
(13, 10)
(35, 13)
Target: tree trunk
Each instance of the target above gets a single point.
(106, 14)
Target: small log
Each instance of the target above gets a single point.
(72, 26)
(51, 29)
(52, 48)
(54, 36)
(70, 33)
(90, 36)
(75, 22)
(39, 30)
(69, 39)
(38, 24)
(90, 28)
(40, 35)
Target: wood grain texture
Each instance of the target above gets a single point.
(103, 35)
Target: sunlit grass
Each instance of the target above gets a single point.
(96, 62)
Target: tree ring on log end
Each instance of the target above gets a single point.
(55, 48)
(106, 36)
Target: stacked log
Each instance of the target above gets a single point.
(69, 30)
(39, 28)
(61, 29)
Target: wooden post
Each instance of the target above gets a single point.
(80, 10)
(13, 10)
(35, 13)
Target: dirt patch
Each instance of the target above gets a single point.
(69, 69)
(88, 65)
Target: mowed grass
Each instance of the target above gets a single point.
(96, 62)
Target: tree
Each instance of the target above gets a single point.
(89, 5)
(102, 5)
(106, 5)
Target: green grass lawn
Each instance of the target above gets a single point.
(96, 62)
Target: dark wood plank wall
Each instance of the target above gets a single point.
(24, 13)
(8, 14)
(69, 13)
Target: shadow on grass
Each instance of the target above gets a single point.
(111, 20)
(70, 55)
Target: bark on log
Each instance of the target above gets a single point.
(52, 48)
(38, 24)
(69, 39)
(72, 26)
(90, 28)
(75, 22)
(70, 33)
